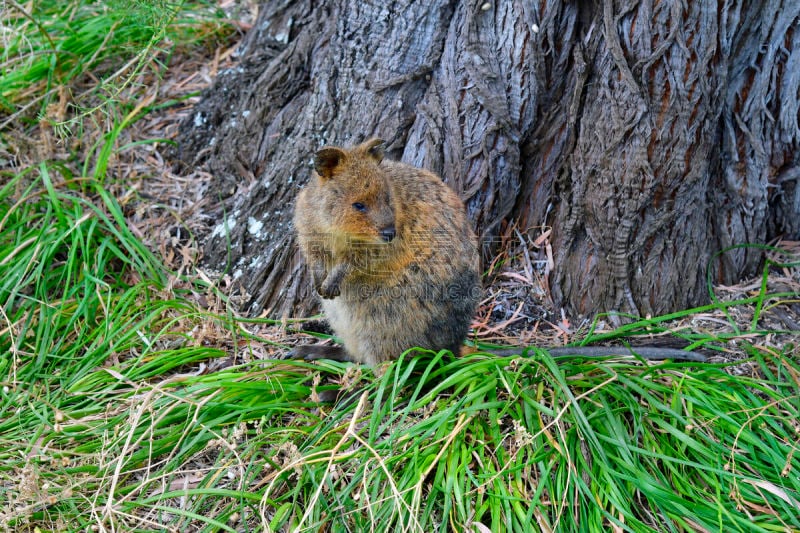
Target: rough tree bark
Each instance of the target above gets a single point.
(649, 134)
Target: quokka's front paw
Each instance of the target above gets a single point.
(332, 285)
(329, 289)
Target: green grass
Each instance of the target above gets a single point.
(105, 421)
(47, 46)
(109, 422)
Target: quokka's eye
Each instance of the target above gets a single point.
(358, 206)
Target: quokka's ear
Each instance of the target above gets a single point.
(374, 147)
(327, 159)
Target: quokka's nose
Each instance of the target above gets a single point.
(388, 233)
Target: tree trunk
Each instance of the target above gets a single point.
(650, 135)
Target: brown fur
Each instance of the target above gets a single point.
(391, 253)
